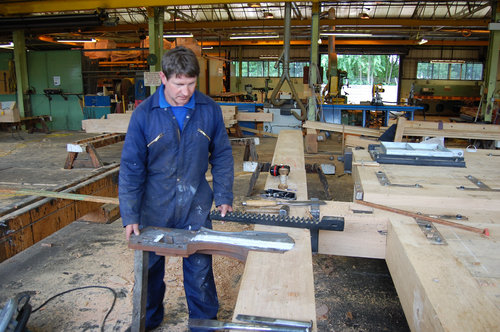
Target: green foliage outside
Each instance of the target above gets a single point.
(366, 69)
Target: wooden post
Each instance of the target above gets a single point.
(141, 262)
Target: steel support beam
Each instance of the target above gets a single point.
(155, 17)
(313, 73)
(23, 101)
(491, 67)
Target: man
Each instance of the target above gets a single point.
(172, 137)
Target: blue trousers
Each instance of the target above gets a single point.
(199, 286)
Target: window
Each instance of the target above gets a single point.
(267, 69)
(470, 71)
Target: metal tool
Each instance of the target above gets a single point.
(314, 225)
(215, 325)
(275, 321)
(281, 194)
(272, 203)
(284, 211)
(181, 242)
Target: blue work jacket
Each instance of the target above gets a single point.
(162, 172)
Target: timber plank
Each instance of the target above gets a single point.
(439, 185)
(453, 287)
(255, 117)
(364, 235)
(355, 130)
(99, 126)
(282, 286)
(436, 291)
(53, 222)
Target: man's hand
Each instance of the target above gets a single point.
(224, 208)
(131, 228)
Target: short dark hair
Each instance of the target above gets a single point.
(180, 61)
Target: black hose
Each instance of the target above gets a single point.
(79, 288)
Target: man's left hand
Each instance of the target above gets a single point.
(224, 208)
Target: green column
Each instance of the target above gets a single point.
(313, 72)
(491, 67)
(21, 73)
(155, 24)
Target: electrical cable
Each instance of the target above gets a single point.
(79, 288)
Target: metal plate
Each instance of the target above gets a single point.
(419, 149)
(384, 181)
(480, 185)
(430, 232)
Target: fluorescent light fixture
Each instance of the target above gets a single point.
(268, 15)
(422, 41)
(8, 45)
(269, 57)
(177, 35)
(76, 40)
(345, 34)
(254, 4)
(208, 47)
(364, 16)
(254, 35)
(448, 61)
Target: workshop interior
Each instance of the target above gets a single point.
(397, 97)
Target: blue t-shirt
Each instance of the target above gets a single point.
(179, 111)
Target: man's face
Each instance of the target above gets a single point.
(178, 90)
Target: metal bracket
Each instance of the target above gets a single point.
(384, 181)
(358, 191)
(314, 225)
(477, 182)
(431, 232)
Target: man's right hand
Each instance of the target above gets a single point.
(131, 228)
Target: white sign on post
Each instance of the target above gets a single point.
(57, 80)
(152, 78)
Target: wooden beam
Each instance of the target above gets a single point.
(398, 137)
(255, 117)
(283, 286)
(338, 128)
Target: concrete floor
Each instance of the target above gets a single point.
(352, 294)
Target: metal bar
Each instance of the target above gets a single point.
(215, 325)
(141, 262)
(420, 216)
(275, 321)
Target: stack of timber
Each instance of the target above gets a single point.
(8, 112)
(282, 285)
(229, 114)
(453, 285)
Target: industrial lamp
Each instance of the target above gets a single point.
(254, 35)
(75, 40)
(268, 15)
(177, 35)
(422, 41)
(364, 16)
(7, 45)
(253, 4)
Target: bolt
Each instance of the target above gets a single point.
(386, 184)
(417, 185)
(459, 216)
(490, 154)
(438, 240)
(461, 188)
(428, 226)
(331, 158)
(478, 182)
(469, 176)
(419, 212)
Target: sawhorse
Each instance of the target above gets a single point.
(182, 243)
(90, 145)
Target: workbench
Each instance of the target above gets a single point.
(449, 286)
(386, 109)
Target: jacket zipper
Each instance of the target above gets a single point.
(155, 140)
(203, 133)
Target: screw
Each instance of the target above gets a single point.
(417, 185)
(491, 154)
(438, 240)
(461, 188)
(469, 176)
(459, 216)
(478, 182)
(386, 184)
(428, 226)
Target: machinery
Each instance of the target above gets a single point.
(265, 90)
(376, 97)
(249, 96)
(282, 115)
